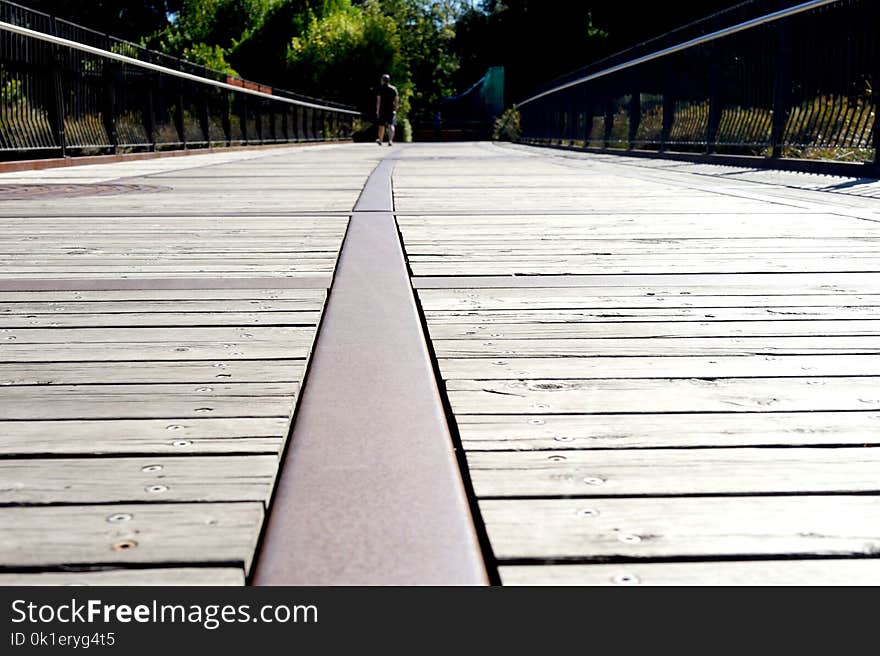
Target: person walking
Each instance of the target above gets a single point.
(387, 100)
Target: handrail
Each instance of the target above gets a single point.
(60, 41)
(740, 27)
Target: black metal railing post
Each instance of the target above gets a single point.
(609, 123)
(715, 101)
(781, 90)
(875, 92)
(635, 117)
(56, 106)
(204, 116)
(243, 108)
(668, 117)
(111, 80)
(226, 116)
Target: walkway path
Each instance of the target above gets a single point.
(657, 372)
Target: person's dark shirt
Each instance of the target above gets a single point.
(386, 93)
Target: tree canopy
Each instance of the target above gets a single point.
(338, 48)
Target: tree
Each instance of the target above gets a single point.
(126, 19)
(342, 54)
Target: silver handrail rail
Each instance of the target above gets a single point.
(727, 31)
(60, 41)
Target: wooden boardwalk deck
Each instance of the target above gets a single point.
(154, 338)
(658, 372)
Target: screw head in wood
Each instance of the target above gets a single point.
(156, 489)
(588, 512)
(118, 518)
(594, 480)
(629, 538)
(152, 468)
(626, 579)
(181, 443)
(124, 545)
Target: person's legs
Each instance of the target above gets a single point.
(391, 130)
(382, 134)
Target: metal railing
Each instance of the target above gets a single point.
(67, 90)
(775, 82)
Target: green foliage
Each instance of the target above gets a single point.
(346, 51)
(127, 19)
(212, 57)
(507, 126)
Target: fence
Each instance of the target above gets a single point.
(767, 80)
(67, 90)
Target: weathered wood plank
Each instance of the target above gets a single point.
(172, 436)
(297, 336)
(218, 352)
(147, 401)
(757, 366)
(133, 308)
(674, 472)
(648, 347)
(657, 329)
(659, 395)
(554, 432)
(825, 571)
(552, 300)
(489, 318)
(677, 527)
(174, 576)
(132, 480)
(159, 319)
(197, 533)
(274, 297)
(85, 373)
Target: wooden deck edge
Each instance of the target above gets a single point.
(814, 166)
(370, 491)
(84, 160)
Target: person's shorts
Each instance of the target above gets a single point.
(388, 119)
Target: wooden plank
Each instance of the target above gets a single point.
(683, 527)
(184, 533)
(525, 432)
(825, 571)
(569, 265)
(657, 329)
(724, 299)
(659, 395)
(134, 308)
(297, 336)
(172, 436)
(666, 314)
(132, 480)
(172, 576)
(647, 347)
(657, 367)
(675, 472)
(148, 401)
(85, 373)
(309, 297)
(159, 319)
(218, 352)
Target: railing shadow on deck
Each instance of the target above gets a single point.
(765, 83)
(68, 90)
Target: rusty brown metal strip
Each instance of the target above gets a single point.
(131, 284)
(370, 491)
